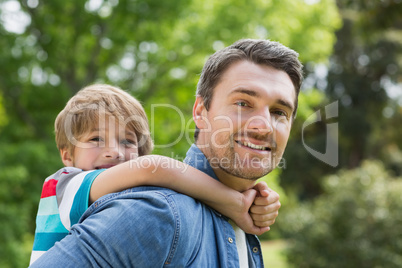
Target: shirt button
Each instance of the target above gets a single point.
(230, 240)
(255, 249)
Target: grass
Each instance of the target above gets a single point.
(272, 253)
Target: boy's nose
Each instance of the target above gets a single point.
(113, 152)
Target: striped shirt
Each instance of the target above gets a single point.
(64, 199)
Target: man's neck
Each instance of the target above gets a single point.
(236, 183)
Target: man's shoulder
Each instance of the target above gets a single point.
(165, 223)
(150, 200)
(151, 193)
(174, 214)
(148, 194)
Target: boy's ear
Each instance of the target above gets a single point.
(199, 113)
(66, 158)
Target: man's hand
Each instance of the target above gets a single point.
(260, 207)
(243, 218)
(265, 207)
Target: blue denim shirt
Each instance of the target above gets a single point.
(152, 227)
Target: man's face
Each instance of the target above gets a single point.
(245, 131)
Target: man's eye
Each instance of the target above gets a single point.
(242, 104)
(280, 113)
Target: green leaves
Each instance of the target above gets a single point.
(3, 116)
(357, 219)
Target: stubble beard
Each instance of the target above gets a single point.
(250, 167)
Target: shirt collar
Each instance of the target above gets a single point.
(197, 159)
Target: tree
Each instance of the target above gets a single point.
(364, 76)
(368, 52)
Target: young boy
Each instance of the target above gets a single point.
(100, 134)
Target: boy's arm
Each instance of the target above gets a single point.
(147, 170)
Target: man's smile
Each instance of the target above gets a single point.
(254, 146)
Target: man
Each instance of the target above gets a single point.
(245, 105)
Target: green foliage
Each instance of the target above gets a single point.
(364, 77)
(309, 100)
(356, 224)
(365, 65)
(20, 169)
(302, 172)
(3, 116)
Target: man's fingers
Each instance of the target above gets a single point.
(261, 185)
(264, 217)
(261, 201)
(273, 197)
(264, 220)
(265, 201)
(258, 230)
(262, 188)
(264, 224)
(264, 209)
(249, 197)
(261, 230)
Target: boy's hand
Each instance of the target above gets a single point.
(265, 207)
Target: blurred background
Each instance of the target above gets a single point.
(343, 214)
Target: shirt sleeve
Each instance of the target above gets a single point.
(72, 193)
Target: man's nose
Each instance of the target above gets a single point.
(260, 121)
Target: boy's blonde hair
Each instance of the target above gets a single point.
(83, 111)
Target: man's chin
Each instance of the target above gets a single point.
(247, 173)
(251, 163)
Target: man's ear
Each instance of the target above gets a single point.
(66, 158)
(199, 113)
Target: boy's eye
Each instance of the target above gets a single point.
(95, 139)
(129, 143)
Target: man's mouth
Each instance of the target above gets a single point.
(254, 146)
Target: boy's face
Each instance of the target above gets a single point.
(105, 146)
